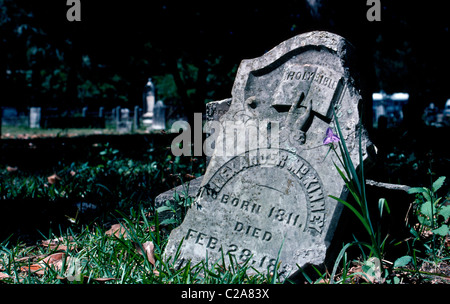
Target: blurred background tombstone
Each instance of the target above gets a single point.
(430, 114)
(10, 116)
(149, 103)
(35, 117)
(136, 116)
(388, 107)
(117, 116)
(124, 124)
(159, 116)
(446, 113)
(125, 114)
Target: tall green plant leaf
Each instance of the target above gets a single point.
(417, 190)
(428, 209)
(438, 183)
(381, 204)
(442, 231)
(349, 167)
(403, 261)
(356, 212)
(445, 212)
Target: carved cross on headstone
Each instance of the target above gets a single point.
(309, 80)
(313, 87)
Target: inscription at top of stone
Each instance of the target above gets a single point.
(308, 82)
(309, 73)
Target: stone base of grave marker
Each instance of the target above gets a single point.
(264, 198)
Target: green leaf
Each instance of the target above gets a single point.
(346, 155)
(164, 208)
(438, 183)
(414, 232)
(417, 190)
(342, 174)
(427, 209)
(381, 203)
(358, 215)
(442, 231)
(170, 221)
(338, 259)
(427, 196)
(445, 212)
(395, 280)
(403, 261)
(424, 221)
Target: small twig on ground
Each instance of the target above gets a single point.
(387, 185)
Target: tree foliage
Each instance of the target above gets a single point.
(192, 49)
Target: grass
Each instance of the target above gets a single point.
(87, 251)
(433, 215)
(92, 252)
(22, 132)
(99, 256)
(355, 183)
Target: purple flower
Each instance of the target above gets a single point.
(331, 137)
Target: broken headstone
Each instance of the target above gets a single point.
(264, 198)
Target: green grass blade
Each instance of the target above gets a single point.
(346, 155)
(342, 174)
(438, 183)
(275, 270)
(338, 260)
(356, 212)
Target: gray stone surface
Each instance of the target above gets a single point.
(214, 110)
(187, 189)
(265, 193)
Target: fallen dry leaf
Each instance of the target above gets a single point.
(189, 176)
(53, 179)
(11, 169)
(36, 268)
(4, 276)
(102, 279)
(152, 228)
(118, 231)
(372, 275)
(84, 278)
(356, 271)
(54, 261)
(149, 250)
(59, 243)
(29, 257)
(58, 247)
(56, 241)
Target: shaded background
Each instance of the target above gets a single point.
(192, 50)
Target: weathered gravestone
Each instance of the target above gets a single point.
(265, 194)
(35, 117)
(124, 123)
(159, 116)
